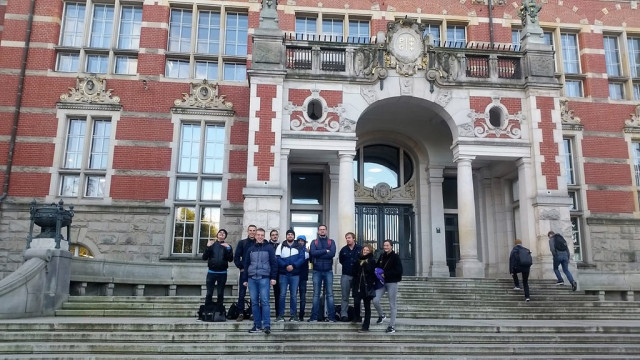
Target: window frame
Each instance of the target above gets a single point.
(575, 192)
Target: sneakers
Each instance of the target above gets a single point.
(312, 320)
(527, 299)
(255, 329)
(390, 330)
(381, 319)
(560, 283)
(293, 318)
(516, 288)
(574, 286)
(240, 317)
(280, 319)
(267, 330)
(344, 319)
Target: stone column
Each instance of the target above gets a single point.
(438, 246)
(284, 184)
(469, 265)
(346, 197)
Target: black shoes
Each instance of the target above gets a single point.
(574, 286)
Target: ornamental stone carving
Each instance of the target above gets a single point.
(90, 90)
(444, 98)
(203, 95)
(332, 118)
(569, 120)
(406, 47)
(383, 192)
(528, 12)
(632, 125)
(369, 94)
(509, 125)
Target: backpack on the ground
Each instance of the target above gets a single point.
(233, 312)
(560, 243)
(212, 313)
(524, 255)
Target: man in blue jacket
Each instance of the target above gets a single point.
(322, 252)
(260, 271)
(290, 259)
(348, 256)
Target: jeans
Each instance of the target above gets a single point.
(345, 287)
(292, 282)
(302, 290)
(392, 294)
(242, 293)
(323, 278)
(212, 279)
(525, 282)
(259, 290)
(367, 310)
(562, 258)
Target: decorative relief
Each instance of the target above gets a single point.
(567, 115)
(444, 98)
(203, 95)
(406, 86)
(90, 90)
(633, 124)
(332, 118)
(369, 94)
(406, 47)
(382, 192)
(482, 127)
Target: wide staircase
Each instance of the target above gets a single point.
(437, 318)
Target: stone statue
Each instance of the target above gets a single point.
(528, 12)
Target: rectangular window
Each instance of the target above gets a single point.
(101, 26)
(616, 91)
(456, 36)
(305, 27)
(235, 72)
(208, 32)
(570, 49)
(573, 88)
(633, 44)
(206, 70)
(332, 29)
(359, 31)
(434, 31)
(97, 64)
(575, 236)
(515, 38)
(198, 186)
(130, 26)
(568, 162)
(126, 65)
(72, 24)
(180, 31)
(636, 161)
(67, 62)
(636, 91)
(236, 34)
(86, 158)
(178, 69)
(612, 55)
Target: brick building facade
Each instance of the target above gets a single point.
(464, 125)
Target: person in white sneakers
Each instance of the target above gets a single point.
(391, 267)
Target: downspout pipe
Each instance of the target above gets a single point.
(491, 42)
(16, 111)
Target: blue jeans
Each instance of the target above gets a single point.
(323, 278)
(302, 290)
(562, 259)
(259, 290)
(292, 282)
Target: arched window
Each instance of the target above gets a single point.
(78, 250)
(388, 164)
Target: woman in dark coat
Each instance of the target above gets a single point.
(364, 286)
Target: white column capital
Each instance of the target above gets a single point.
(342, 154)
(523, 161)
(463, 159)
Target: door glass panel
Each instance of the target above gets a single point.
(306, 188)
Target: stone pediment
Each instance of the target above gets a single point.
(90, 92)
(203, 96)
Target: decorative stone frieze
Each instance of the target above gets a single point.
(90, 92)
(406, 47)
(203, 96)
(632, 125)
(369, 94)
(332, 118)
(382, 192)
(569, 120)
(482, 126)
(444, 98)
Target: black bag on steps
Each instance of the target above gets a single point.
(212, 313)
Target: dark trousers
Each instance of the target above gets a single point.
(367, 310)
(276, 298)
(525, 282)
(213, 281)
(242, 293)
(302, 290)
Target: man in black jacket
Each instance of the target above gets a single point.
(241, 250)
(219, 254)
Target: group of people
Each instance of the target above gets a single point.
(561, 255)
(285, 267)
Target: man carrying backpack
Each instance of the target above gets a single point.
(520, 261)
(561, 254)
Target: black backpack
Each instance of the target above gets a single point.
(212, 313)
(524, 257)
(233, 312)
(560, 243)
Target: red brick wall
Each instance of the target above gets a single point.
(601, 201)
(139, 188)
(144, 129)
(548, 148)
(264, 137)
(141, 158)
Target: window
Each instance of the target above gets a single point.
(456, 36)
(375, 164)
(573, 188)
(568, 162)
(614, 69)
(616, 91)
(305, 27)
(434, 31)
(359, 31)
(515, 38)
(332, 29)
(573, 88)
(633, 44)
(218, 52)
(635, 148)
(571, 65)
(100, 49)
(198, 192)
(86, 156)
